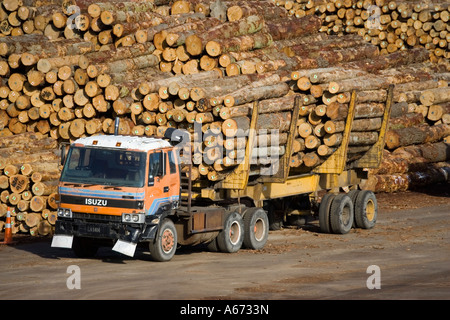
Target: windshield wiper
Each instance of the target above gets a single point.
(112, 187)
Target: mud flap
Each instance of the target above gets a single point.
(62, 241)
(125, 247)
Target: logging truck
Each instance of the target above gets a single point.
(123, 190)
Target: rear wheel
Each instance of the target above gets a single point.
(324, 212)
(353, 194)
(341, 214)
(165, 244)
(230, 239)
(256, 226)
(366, 209)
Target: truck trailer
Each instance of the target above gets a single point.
(120, 191)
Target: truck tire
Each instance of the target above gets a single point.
(230, 239)
(324, 212)
(341, 214)
(366, 209)
(256, 228)
(84, 247)
(163, 247)
(212, 246)
(353, 194)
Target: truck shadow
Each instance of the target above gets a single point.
(42, 248)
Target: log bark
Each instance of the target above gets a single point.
(267, 9)
(416, 135)
(293, 27)
(196, 43)
(254, 94)
(242, 43)
(370, 124)
(271, 121)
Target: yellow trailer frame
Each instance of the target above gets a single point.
(332, 174)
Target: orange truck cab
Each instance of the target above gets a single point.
(116, 188)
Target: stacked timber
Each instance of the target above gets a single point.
(29, 174)
(389, 24)
(417, 143)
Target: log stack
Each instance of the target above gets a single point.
(30, 170)
(389, 24)
(206, 64)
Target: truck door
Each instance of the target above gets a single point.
(173, 176)
(162, 182)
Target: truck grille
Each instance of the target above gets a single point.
(96, 217)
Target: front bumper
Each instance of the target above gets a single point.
(105, 227)
(90, 229)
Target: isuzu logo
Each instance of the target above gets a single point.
(96, 202)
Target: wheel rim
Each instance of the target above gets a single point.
(370, 210)
(167, 241)
(235, 233)
(259, 229)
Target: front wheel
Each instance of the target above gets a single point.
(230, 239)
(256, 226)
(163, 247)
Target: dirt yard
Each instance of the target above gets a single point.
(409, 246)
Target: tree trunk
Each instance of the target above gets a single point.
(254, 94)
(18, 183)
(370, 124)
(196, 43)
(244, 9)
(416, 135)
(435, 96)
(293, 27)
(258, 40)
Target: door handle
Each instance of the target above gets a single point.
(166, 189)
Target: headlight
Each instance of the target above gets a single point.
(133, 217)
(64, 213)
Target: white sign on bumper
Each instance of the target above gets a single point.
(62, 241)
(125, 247)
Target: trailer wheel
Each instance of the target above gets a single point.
(366, 209)
(324, 212)
(341, 214)
(84, 247)
(230, 239)
(256, 228)
(165, 244)
(353, 195)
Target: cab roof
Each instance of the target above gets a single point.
(123, 142)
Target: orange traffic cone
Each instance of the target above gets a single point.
(8, 230)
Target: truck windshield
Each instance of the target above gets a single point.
(103, 166)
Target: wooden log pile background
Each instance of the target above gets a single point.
(68, 68)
